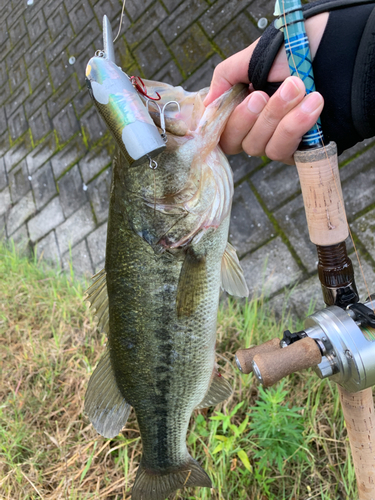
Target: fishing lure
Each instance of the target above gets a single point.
(121, 107)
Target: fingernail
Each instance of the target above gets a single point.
(256, 103)
(289, 90)
(311, 102)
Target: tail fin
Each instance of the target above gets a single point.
(155, 485)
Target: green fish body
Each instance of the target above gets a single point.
(167, 256)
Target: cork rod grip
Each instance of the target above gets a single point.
(359, 416)
(245, 356)
(322, 196)
(275, 365)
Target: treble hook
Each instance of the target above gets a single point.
(162, 118)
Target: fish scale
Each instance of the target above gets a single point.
(167, 255)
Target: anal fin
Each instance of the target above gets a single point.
(157, 485)
(104, 404)
(232, 277)
(219, 391)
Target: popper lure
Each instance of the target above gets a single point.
(120, 105)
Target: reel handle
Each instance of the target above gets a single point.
(244, 357)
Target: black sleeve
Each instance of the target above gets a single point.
(344, 69)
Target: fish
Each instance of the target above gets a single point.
(167, 257)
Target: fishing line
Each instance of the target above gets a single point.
(122, 13)
(333, 176)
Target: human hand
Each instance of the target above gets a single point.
(263, 125)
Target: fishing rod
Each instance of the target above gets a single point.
(339, 341)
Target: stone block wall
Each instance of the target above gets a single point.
(55, 152)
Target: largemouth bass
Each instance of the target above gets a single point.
(157, 298)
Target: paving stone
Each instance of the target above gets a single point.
(21, 240)
(67, 157)
(55, 49)
(32, 10)
(146, 24)
(15, 154)
(220, 14)
(242, 165)
(187, 13)
(292, 220)
(82, 102)
(19, 182)
(57, 17)
(21, 48)
(358, 190)
(46, 220)
(81, 15)
(191, 49)
(369, 271)
(3, 121)
(261, 8)
(123, 56)
(110, 8)
(270, 268)
(37, 98)
(47, 249)
(249, 226)
(4, 93)
(3, 175)
(81, 262)
(151, 54)
(5, 201)
(17, 74)
(98, 158)
(93, 126)
(3, 228)
(74, 229)
(203, 76)
(36, 26)
(240, 33)
(18, 30)
(364, 227)
(37, 48)
(44, 186)
(136, 8)
(72, 193)
(14, 15)
(80, 66)
(352, 152)
(98, 191)
(60, 69)
(40, 123)
(17, 123)
(37, 72)
(169, 74)
(41, 153)
(63, 96)
(3, 73)
(96, 243)
(66, 124)
(172, 4)
(85, 38)
(17, 99)
(300, 301)
(275, 183)
(20, 212)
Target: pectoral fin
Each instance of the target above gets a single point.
(104, 404)
(232, 277)
(219, 391)
(192, 284)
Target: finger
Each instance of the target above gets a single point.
(292, 127)
(241, 121)
(229, 72)
(286, 98)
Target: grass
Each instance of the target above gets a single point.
(288, 442)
